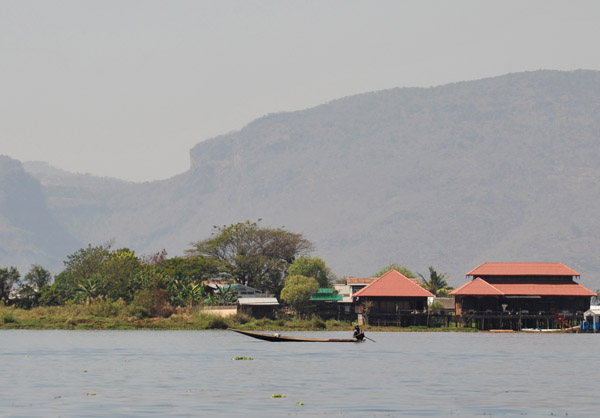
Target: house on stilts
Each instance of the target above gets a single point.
(521, 295)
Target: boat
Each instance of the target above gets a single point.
(281, 338)
(563, 330)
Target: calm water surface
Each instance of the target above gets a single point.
(191, 373)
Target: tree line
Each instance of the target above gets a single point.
(272, 260)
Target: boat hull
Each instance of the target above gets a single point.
(282, 338)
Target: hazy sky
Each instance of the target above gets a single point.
(126, 88)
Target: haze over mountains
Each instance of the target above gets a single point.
(499, 169)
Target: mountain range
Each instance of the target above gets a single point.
(498, 169)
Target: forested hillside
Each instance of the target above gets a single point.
(500, 169)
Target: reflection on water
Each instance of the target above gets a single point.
(187, 373)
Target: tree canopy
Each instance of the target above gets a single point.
(312, 267)
(253, 255)
(297, 292)
(401, 269)
(9, 277)
(37, 277)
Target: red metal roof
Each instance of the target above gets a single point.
(393, 284)
(522, 269)
(528, 289)
(479, 287)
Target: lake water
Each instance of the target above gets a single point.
(191, 373)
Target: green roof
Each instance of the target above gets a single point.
(325, 294)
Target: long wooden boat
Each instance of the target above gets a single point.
(563, 330)
(282, 338)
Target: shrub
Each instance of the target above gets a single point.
(50, 296)
(317, 322)
(214, 322)
(8, 318)
(151, 303)
(436, 308)
(241, 318)
(107, 308)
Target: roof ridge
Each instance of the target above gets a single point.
(394, 274)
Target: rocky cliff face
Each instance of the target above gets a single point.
(29, 233)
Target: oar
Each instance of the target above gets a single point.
(369, 338)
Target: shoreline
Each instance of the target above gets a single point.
(100, 317)
(107, 316)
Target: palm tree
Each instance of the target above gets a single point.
(90, 289)
(437, 283)
(224, 295)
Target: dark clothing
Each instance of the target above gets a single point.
(358, 334)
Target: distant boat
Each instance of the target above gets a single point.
(563, 330)
(281, 338)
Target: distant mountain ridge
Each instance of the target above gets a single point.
(499, 169)
(29, 233)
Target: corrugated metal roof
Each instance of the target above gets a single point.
(522, 269)
(326, 297)
(393, 284)
(479, 287)
(258, 301)
(360, 280)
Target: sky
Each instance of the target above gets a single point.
(125, 88)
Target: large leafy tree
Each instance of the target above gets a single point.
(81, 268)
(34, 282)
(399, 268)
(99, 272)
(118, 274)
(253, 255)
(312, 267)
(37, 277)
(185, 278)
(437, 283)
(194, 269)
(297, 292)
(9, 278)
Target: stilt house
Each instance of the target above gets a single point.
(518, 295)
(393, 299)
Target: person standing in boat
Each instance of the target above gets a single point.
(358, 333)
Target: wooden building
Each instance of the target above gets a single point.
(521, 295)
(393, 299)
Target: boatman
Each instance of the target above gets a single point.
(359, 335)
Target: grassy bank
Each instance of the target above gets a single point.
(116, 316)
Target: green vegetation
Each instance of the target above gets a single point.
(103, 288)
(9, 277)
(108, 315)
(399, 268)
(297, 292)
(251, 255)
(437, 283)
(313, 267)
(102, 314)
